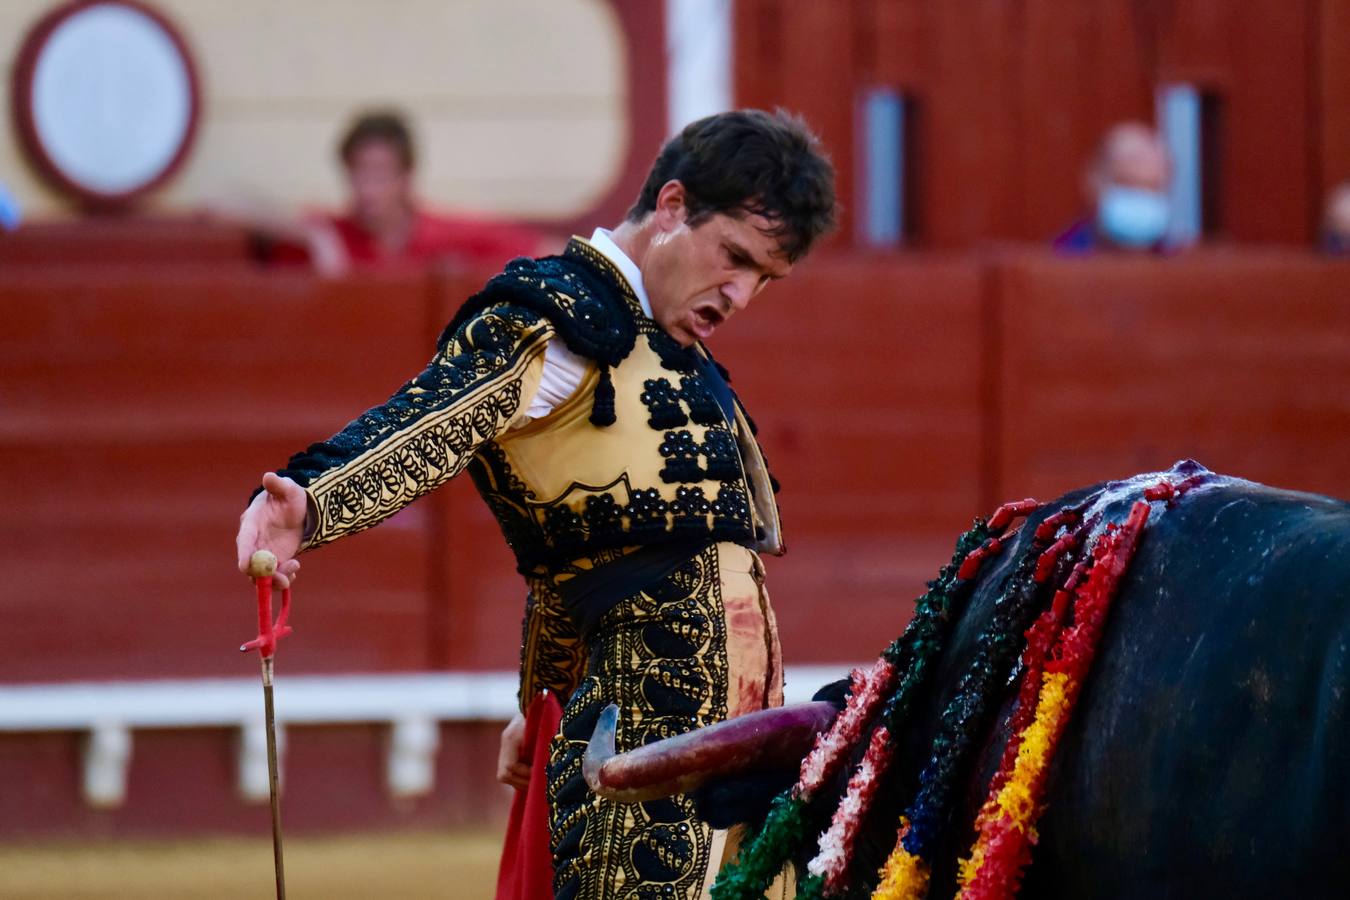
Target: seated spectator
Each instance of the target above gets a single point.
(1125, 186)
(384, 224)
(1336, 221)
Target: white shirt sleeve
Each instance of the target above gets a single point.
(563, 371)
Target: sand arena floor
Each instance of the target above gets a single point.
(452, 865)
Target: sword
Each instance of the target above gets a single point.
(261, 567)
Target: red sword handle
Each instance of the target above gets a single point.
(261, 567)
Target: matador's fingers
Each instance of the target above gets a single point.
(517, 775)
(286, 573)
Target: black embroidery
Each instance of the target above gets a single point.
(681, 452)
(731, 506)
(425, 433)
(590, 315)
(671, 354)
(690, 510)
(549, 538)
(602, 406)
(703, 406)
(661, 656)
(589, 307)
(505, 495)
(604, 518)
(663, 402)
(754, 429)
(561, 519)
(666, 404)
(647, 512)
(478, 353)
(603, 269)
(552, 654)
(723, 457)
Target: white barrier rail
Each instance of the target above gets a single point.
(412, 705)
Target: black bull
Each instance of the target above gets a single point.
(1208, 755)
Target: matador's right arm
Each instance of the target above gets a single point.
(475, 388)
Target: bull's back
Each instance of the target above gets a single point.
(1207, 755)
(1209, 752)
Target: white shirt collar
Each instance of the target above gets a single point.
(602, 240)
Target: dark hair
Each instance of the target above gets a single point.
(749, 161)
(379, 125)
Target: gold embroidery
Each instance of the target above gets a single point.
(553, 656)
(661, 655)
(430, 448)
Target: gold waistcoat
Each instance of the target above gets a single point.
(671, 465)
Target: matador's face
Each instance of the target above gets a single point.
(699, 276)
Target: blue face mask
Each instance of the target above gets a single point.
(1132, 217)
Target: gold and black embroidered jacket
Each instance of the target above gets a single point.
(652, 447)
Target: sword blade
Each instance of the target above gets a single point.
(271, 723)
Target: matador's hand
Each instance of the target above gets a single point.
(274, 521)
(511, 769)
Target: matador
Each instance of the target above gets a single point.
(578, 393)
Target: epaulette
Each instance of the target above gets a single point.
(592, 319)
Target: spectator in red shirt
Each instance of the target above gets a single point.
(384, 225)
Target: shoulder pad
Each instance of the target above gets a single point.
(591, 318)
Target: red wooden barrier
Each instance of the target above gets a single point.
(1332, 91)
(1110, 367)
(136, 413)
(119, 241)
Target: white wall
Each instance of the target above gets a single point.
(519, 104)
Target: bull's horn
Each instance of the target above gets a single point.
(758, 741)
